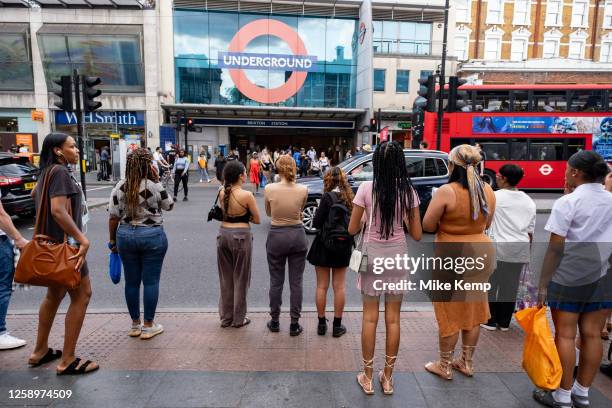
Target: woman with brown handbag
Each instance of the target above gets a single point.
(63, 201)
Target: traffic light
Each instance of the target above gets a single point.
(190, 125)
(427, 94)
(90, 93)
(456, 98)
(373, 124)
(65, 93)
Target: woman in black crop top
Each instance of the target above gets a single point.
(234, 245)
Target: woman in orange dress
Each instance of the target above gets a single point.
(254, 171)
(459, 213)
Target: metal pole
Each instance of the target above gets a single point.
(79, 115)
(442, 76)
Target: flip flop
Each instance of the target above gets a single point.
(73, 370)
(47, 358)
(244, 323)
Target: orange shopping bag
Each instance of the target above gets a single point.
(540, 357)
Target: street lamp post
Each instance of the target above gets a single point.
(442, 77)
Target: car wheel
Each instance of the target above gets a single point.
(308, 215)
(489, 178)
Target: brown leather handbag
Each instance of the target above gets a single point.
(44, 262)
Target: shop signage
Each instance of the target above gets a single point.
(120, 118)
(38, 116)
(404, 125)
(276, 123)
(384, 134)
(237, 60)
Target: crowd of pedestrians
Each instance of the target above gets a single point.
(498, 226)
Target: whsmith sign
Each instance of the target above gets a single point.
(120, 118)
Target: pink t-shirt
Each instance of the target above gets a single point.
(363, 198)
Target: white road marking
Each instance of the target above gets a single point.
(99, 188)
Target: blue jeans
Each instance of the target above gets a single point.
(7, 270)
(204, 174)
(142, 251)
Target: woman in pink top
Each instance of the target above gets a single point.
(390, 202)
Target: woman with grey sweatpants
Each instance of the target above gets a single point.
(235, 245)
(286, 243)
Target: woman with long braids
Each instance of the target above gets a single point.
(58, 152)
(459, 213)
(391, 203)
(234, 245)
(136, 232)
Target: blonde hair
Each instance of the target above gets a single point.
(468, 157)
(286, 167)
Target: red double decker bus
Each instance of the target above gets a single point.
(537, 127)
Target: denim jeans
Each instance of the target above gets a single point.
(142, 251)
(7, 270)
(204, 174)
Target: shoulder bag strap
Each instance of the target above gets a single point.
(370, 221)
(45, 201)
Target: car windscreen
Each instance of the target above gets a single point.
(16, 167)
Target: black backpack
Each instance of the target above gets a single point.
(334, 234)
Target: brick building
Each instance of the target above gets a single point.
(534, 41)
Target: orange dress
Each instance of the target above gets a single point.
(254, 172)
(461, 236)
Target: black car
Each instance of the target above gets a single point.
(17, 179)
(427, 169)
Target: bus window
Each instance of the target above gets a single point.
(520, 102)
(415, 166)
(574, 146)
(518, 150)
(459, 141)
(545, 149)
(492, 101)
(586, 101)
(549, 101)
(494, 150)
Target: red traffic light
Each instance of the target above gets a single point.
(372, 123)
(189, 121)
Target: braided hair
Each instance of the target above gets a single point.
(231, 174)
(137, 168)
(392, 189)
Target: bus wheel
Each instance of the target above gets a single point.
(489, 178)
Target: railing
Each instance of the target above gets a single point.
(403, 47)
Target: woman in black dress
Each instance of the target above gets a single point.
(330, 261)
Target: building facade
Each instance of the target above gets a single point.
(534, 41)
(116, 41)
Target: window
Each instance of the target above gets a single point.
(406, 37)
(608, 14)
(606, 52)
(518, 149)
(519, 49)
(585, 101)
(554, 11)
(402, 79)
(425, 74)
(580, 13)
(495, 12)
(415, 166)
(574, 146)
(463, 11)
(379, 80)
(551, 48)
(363, 172)
(546, 149)
(116, 59)
(521, 12)
(494, 149)
(9, 125)
(576, 49)
(15, 62)
(492, 48)
(462, 47)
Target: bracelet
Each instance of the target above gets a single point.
(111, 244)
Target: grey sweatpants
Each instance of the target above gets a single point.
(234, 248)
(286, 245)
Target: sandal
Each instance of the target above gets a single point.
(442, 367)
(73, 370)
(545, 397)
(366, 387)
(382, 378)
(464, 364)
(244, 323)
(47, 358)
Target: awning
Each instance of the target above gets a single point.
(116, 4)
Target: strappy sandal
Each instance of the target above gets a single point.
(382, 378)
(442, 368)
(244, 323)
(73, 370)
(366, 387)
(47, 358)
(464, 364)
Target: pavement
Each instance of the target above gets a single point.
(195, 363)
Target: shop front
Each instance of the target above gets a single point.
(103, 129)
(18, 131)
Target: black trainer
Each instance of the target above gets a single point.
(274, 326)
(322, 327)
(339, 331)
(185, 199)
(295, 329)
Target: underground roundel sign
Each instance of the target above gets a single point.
(237, 61)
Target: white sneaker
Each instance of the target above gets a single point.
(201, 181)
(8, 342)
(150, 332)
(135, 331)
